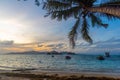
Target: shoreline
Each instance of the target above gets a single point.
(12, 75)
(62, 73)
(70, 73)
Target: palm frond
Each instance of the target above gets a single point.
(96, 21)
(53, 5)
(88, 3)
(109, 16)
(73, 33)
(60, 10)
(112, 3)
(37, 2)
(65, 14)
(84, 31)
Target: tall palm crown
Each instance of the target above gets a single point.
(84, 11)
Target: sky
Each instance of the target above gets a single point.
(23, 27)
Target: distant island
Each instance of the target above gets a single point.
(47, 52)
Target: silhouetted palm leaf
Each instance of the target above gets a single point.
(65, 14)
(96, 21)
(85, 32)
(112, 3)
(51, 5)
(73, 33)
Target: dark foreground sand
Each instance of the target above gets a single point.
(48, 75)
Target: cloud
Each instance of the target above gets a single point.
(6, 43)
(112, 45)
(58, 46)
(10, 46)
(40, 45)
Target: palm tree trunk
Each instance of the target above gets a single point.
(115, 11)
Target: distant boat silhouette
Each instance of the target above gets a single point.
(52, 55)
(107, 54)
(100, 58)
(67, 57)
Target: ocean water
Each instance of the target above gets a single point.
(78, 63)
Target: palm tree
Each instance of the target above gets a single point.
(83, 11)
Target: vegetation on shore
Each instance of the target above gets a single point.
(54, 77)
(45, 52)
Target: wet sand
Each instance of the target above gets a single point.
(56, 75)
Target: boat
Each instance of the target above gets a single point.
(67, 57)
(52, 55)
(107, 54)
(100, 58)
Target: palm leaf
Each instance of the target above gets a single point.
(65, 14)
(73, 33)
(112, 3)
(85, 31)
(52, 5)
(96, 21)
(37, 2)
(109, 16)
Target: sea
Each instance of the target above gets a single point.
(44, 62)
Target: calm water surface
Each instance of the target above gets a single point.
(78, 63)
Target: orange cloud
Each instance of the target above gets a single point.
(26, 47)
(14, 49)
(43, 48)
(33, 47)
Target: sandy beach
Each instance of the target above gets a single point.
(55, 75)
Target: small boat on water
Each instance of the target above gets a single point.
(107, 54)
(100, 58)
(67, 57)
(52, 55)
